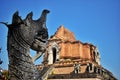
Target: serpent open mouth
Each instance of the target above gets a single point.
(40, 41)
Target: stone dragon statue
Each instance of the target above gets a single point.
(23, 35)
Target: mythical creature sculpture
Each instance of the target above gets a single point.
(23, 35)
(76, 68)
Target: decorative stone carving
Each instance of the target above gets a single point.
(76, 68)
(90, 68)
(97, 56)
(23, 35)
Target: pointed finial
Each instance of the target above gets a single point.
(29, 16)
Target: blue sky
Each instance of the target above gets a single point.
(93, 21)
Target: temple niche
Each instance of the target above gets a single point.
(53, 53)
(70, 59)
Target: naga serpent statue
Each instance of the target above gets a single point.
(24, 35)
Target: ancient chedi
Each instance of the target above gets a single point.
(66, 58)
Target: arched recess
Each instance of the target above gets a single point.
(53, 53)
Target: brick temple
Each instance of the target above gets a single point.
(70, 59)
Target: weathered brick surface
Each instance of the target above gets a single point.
(63, 70)
(64, 34)
(70, 47)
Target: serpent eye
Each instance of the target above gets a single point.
(40, 33)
